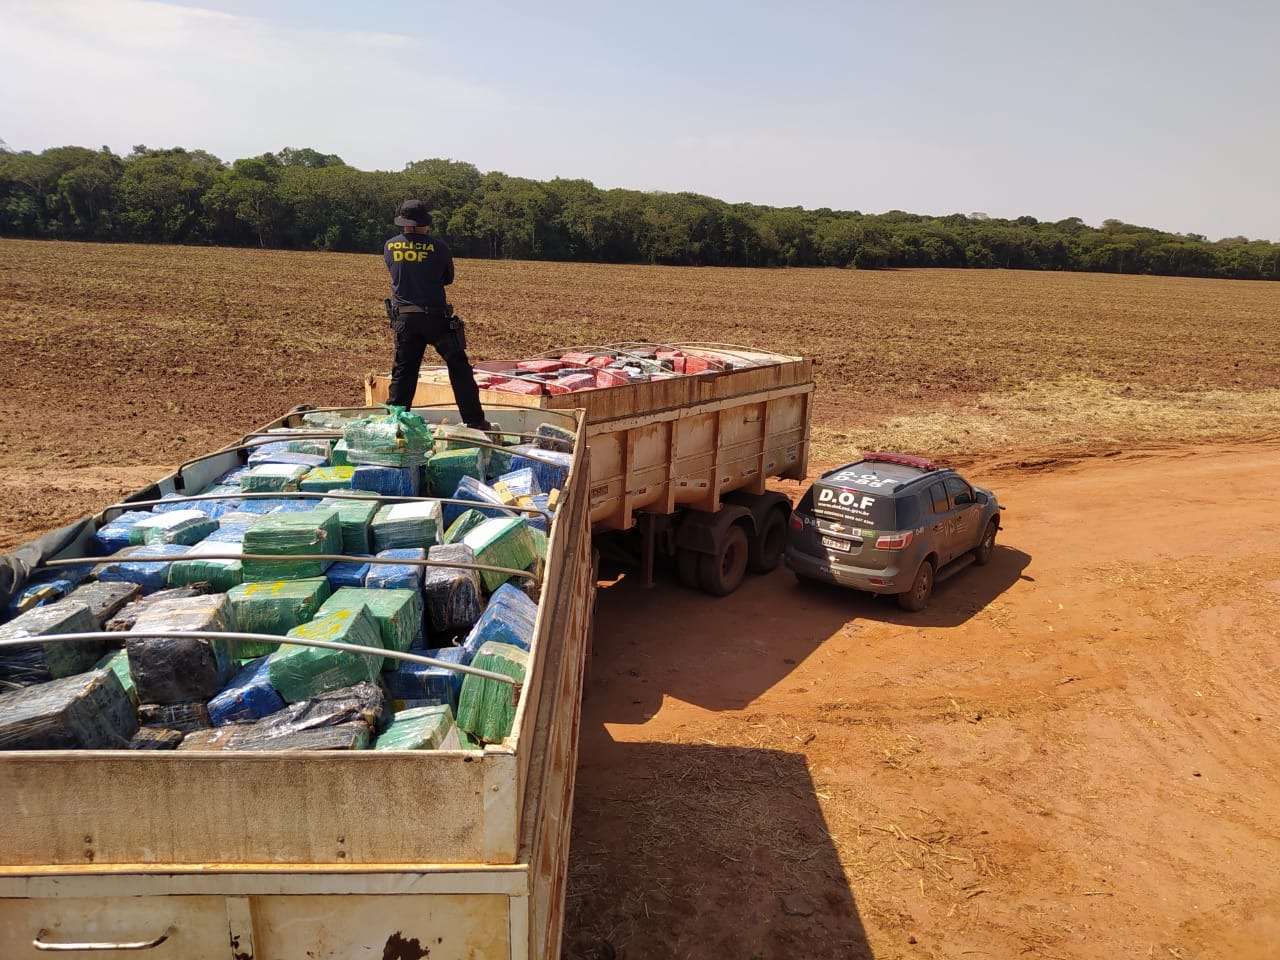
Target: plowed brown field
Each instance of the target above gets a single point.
(1072, 753)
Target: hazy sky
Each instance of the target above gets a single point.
(1158, 113)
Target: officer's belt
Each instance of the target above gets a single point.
(411, 308)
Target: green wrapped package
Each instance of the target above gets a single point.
(303, 531)
(421, 728)
(273, 477)
(467, 521)
(339, 455)
(275, 607)
(466, 741)
(324, 479)
(173, 526)
(540, 543)
(118, 662)
(399, 439)
(501, 542)
(316, 446)
(221, 575)
(299, 672)
(487, 708)
(446, 468)
(398, 614)
(455, 436)
(399, 526)
(354, 517)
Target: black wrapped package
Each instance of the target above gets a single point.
(88, 711)
(452, 594)
(155, 738)
(354, 735)
(128, 614)
(39, 662)
(105, 599)
(170, 670)
(363, 705)
(183, 717)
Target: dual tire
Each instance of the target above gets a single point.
(720, 572)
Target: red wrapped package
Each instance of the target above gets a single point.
(529, 388)
(540, 366)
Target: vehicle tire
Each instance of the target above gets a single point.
(720, 573)
(917, 598)
(687, 568)
(982, 553)
(764, 550)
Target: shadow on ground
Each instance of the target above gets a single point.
(698, 851)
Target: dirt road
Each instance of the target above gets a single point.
(1072, 753)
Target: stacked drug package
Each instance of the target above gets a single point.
(307, 543)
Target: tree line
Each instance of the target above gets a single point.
(302, 199)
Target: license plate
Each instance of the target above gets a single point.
(835, 543)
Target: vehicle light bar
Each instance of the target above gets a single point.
(901, 459)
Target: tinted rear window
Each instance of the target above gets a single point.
(854, 507)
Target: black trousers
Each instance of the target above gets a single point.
(413, 332)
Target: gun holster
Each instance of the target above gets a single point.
(458, 331)
(392, 312)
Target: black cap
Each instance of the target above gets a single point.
(413, 213)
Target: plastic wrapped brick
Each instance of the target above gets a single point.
(553, 437)
(315, 446)
(339, 456)
(421, 684)
(289, 504)
(519, 483)
(323, 479)
(399, 525)
(550, 467)
(105, 600)
(486, 707)
(354, 517)
(342, 736)
(170, 670)
(273, 478)
(445, 470)
(197, 567)
(87, 711)
(505, 542)
(398, 614)
(275, 607)
(467, 521)
(232, 477)
(150, 575)
(300, 672)
(117, 661)
(389, 481)
(44, 587)
(399, 439)
(396, 575)
(421, 728)
(472, 490)
(509, 618)
(500, 458)
(128, 615)
(39, 662)
(237, 518)
(114, 534)
(155, 738)
(213, 509)
(230, 532)
(177, 526)
(286, 457)
(263, 452)
(249, 696)
(347, 574)
(449, 437)
(540, 521)
(451, 595)
(306, 532)
(183, 717)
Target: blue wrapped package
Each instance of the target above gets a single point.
(45, 587)
(232, 477)
(265, 505)
(473, 491)
(347, 574)
(150, 576)
(114, 534)
(391, 481)
(227, 533)
(249, 696)
(417, 685)
(521, 483)
(176, 526)
(549, 468)
(396, 575)
(539, 520)
(509, 618)
(210, 508)
(279, 452)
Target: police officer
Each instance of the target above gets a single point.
(421, 266)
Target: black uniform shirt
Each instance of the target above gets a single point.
(421, 267)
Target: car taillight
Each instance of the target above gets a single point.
(796, 522)
(894, 541)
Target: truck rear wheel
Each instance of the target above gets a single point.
(764, 550)
(719, 573)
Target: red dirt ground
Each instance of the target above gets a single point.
(1072, 753)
